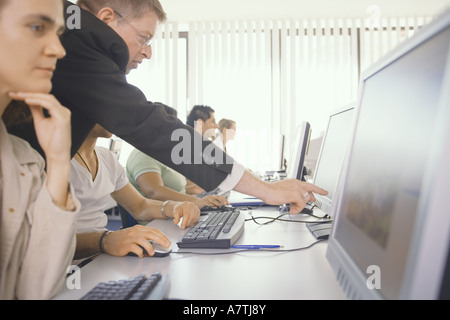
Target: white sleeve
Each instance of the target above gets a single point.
(233, 178)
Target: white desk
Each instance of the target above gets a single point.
(252, 275)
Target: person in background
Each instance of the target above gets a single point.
(202, 119)
(97, 176)
(157, 181)
(37, 203)
(227, 131)
(113, 38)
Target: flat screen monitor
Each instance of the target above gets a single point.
(391, 230)
(281, 147)
(331, 156)
(299, 150)
(313, 155)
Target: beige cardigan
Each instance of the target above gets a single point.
(37, 239)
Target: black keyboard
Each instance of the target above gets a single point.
(154, 287)
(216, 230)
(215, 192)
(206, 209)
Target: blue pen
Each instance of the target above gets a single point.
(256, 246)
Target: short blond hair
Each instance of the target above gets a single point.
(128, 8)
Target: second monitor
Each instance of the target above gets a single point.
(298, 152)
(329, 164)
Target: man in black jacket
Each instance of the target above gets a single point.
(113, 38)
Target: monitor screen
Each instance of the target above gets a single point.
(384, 174)
(281, 149)
(298, 152)
(331, 157)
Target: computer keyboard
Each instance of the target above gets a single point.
(216, 230)
(215, 192)
(222, 208)
(154, 287)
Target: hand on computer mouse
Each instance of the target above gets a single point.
(135, 240)
(159, 251)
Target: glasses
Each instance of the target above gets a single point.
(145, 40)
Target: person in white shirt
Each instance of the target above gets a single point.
(97, 176)
(202, 119)
(227, 131)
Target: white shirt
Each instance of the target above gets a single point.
(95, 196)
(236, 173)
(219, 141)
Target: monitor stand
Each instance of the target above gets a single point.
(320, 230)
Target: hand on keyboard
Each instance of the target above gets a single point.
(186, 210)
(218, 229)
(211, 202)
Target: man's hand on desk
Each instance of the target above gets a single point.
(120, 243)
(295, 192)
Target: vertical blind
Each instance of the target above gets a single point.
(268, 76)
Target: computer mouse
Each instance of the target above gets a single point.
(160, 251)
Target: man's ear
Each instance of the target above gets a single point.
(107, 15)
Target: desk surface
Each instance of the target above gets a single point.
(252, 275)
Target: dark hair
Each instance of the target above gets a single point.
(16, 113)
(169, 110)
(199, 112)
(129, 8)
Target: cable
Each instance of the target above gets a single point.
(278, 218)
(248, 250)
(271, 218)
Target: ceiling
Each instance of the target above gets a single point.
(183, 11)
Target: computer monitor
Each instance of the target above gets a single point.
(329, 165)
(331, 156)
(281, 147)
(391, 230)
(313, 155)
(298, 152)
